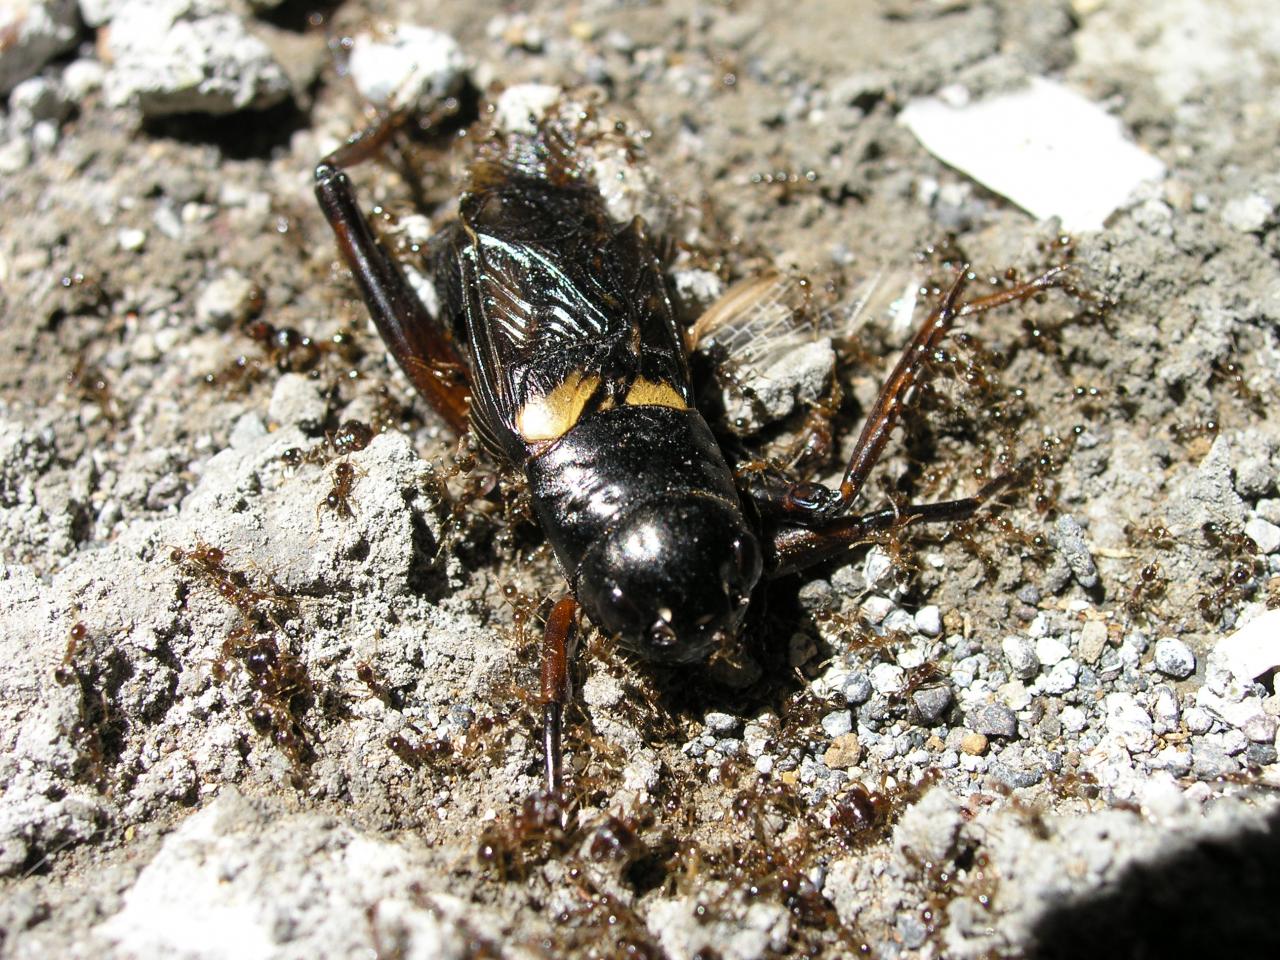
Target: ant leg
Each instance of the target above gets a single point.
(812, 504)
(793, 548)
(420, 344)
(558, 641)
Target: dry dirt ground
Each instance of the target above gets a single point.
(247, 714)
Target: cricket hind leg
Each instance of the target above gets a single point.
(816, 505)
(809, 523)
(421, 343)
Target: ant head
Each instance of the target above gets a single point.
(673, 579)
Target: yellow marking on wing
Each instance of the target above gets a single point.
(646, 393)
(554, 414)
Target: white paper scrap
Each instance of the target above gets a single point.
(1045, 147)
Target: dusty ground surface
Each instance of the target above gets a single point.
(239, 722)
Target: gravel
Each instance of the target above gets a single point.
(993, 720)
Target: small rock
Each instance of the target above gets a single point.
(1253, 649)
(34, 32)
(800, 375)
(227, 300)
(887, 678)
(974, 744)
(993, 720)
(929, 621)
(1021, 654)
(189, 56)
(722, 723)
(36, 100)
(408, 68)
(899, 621)
(296, 400)
(81, 78)
(875, 609)
(1265, 535)
(877, 567)
(520, 108)
(1260, 728)
(1129, 723)
(837, 723)
(1070, 541)
(931, 703)
(132, 240)
(845, 752)
(1249, 214)
(1016, 777)
(1062, 677)
(1260, 754)
(1093, 640)
(1072, 719)
(1051, 650)
(1198, 719)
(1209, 761)
(1174, 658)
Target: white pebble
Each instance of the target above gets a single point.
(929, 621)
(1050, 650)
(1174, 658)
(407, 67)
(1128, 722)
(1265, 535)
(888, 678)
(131, 239)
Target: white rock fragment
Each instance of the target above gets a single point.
(227, 300)
(1253, 649)
(520, 108)
(1265, 534)
(1046, 148)
(131, 239)
(1174, 658)
(1249, 214)
(33, 32)
(1051, 650)
(929, 621)
(189, 56)
(1128, 722)
(407, 67)
(888, 678)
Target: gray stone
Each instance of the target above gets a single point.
(1174, 658)
(296, 401)
(1016, 777)
(993, 720)
(227, 300)
(931, 703)
(1209, 761)
(34, 32)
(1069, 538)
(1020, 652)
(189, 56)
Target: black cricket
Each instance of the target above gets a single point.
(557, 343)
